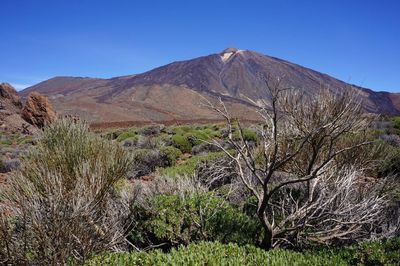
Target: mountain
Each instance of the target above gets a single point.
(173, 91)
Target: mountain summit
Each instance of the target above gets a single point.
(171, 92)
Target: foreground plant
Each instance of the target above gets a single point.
(215, 253)
(65, 203)
(306, 188)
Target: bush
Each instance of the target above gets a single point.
(395, 122)
(150, 130)
(196, 137)
(204, 148)
(179, 219)
(189, 166)
(5, 142)
(393, 140)
(130, 142)
(111, 135)
(146, 161)
(391, 166)
(182, 143)
(181, 129)
(248, 135)
(126, 135)
(25, 140)
(2, 166)
(187, 136)
(219, 174)
(377, 253)
(368, 253)
(214, 253)
(148, 142)
(164, 140)
(62, 204)
(9, 165)
(171, 153)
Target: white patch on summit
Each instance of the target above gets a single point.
(226, 56)
(227, 53)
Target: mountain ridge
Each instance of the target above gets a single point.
(171, 91)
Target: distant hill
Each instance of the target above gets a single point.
(171, 92)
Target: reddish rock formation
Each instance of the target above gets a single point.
(7, 92)
(38, 110)
(10, 110)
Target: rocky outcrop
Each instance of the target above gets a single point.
(10, 110)
(14, 116)
(38, 110)
(8, 93)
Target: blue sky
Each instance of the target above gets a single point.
(354, 40)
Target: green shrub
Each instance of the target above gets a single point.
(248, 135)
(395, 122)
(197, 136)
(372, 253)
(212, 131)
(125, 135)
(182, 143)
(62, 203)
(188, 136)
(258, 155)
(181, 129)
(5, 142)
(189, 166)
(390, 166)
(2, 166)
(214, 253)
(110, 135)
(163, 140)
(171, 153)
(177, 219)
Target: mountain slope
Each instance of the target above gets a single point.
(172, 91)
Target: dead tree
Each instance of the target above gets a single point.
(304, 191)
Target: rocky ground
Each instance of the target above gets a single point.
(20, 122)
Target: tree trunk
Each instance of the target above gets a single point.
(266, 242)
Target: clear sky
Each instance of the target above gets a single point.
(355, 40)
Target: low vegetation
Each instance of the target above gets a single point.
(316, 183)
(187, 166)
(213, 253)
